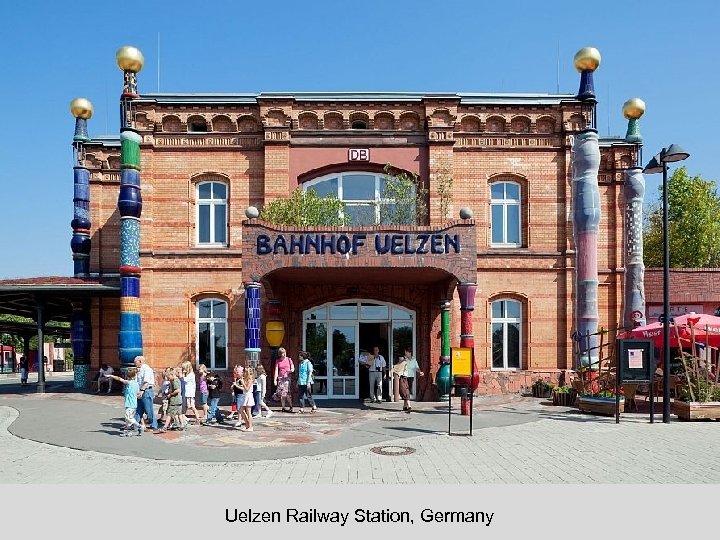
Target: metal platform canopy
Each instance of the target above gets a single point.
(48, 299)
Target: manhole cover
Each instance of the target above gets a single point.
(393, 450)
(394, 418)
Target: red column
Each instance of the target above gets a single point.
(466, 291)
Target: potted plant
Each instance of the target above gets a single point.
(699, 393)
(564, 395)
(601, 402)
(542, 388)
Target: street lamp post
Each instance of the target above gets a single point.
(659, 164)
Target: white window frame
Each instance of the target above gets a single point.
(213, 322)
(213, 203)
(376, 203)
(505, 321)
(505, 203)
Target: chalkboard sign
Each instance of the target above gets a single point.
(636, 360)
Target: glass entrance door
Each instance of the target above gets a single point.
(334, 334)
(342, 378)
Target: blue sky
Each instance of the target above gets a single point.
(55, 51)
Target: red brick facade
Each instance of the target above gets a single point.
(691, 289)
(264, 146)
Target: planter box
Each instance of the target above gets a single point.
(596, 405)
(696, 410)
(565, 399)
(541, 391)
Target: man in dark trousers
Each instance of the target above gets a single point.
(23, 370)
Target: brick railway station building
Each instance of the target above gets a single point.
(206, 158)
(173, 262)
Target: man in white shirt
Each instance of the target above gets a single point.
(378, 372)
(146, 381)
(105, 370)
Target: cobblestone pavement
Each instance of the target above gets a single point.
(73, 439)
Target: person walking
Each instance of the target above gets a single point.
(406, 370)
(238, 391)
(188, 374)
(261, 380)
(131, 391)
(204, 392)
(248, 378)
(174, 402)
(378, 372)
(284, 367)
(164, 396)
(305, 380)
(146, 381)
(214, 384)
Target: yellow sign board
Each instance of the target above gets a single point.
(461, 360)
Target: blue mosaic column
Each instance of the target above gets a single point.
(80, 324)
(252, 317)
(81, 341)
(81, 243)
(130, 341)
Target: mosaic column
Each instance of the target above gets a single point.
(586, 221)
(467, 291)
(80, 326)
(586, 213)
(130, 61)
(634, 286)
(443, 375)
(81, 341)
(252, 318)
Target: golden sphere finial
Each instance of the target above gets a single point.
(81, 108)
(633, 108)
(587, 58)
(129, 58)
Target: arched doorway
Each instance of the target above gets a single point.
(335, 333)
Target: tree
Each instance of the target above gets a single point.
(694, 227)
(409, 196)
(304, 208)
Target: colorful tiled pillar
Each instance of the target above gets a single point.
(81, 341)
(80, 325)
(466, 292)
(442, 379)
(586, 215)
(130, 61)
(634, 286)
(252, 318)
(586, 221)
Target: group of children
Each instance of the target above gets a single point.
(178, 391)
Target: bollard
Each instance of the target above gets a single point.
(465, 406)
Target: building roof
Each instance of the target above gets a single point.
(56, 294)
(465, 98)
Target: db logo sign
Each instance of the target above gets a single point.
(358, 154)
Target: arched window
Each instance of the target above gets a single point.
(505, 214)
(506, 324)
(197, 124)
(212, 336)
(365, 199)
(212, 214)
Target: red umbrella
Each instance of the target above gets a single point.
(705, 327)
